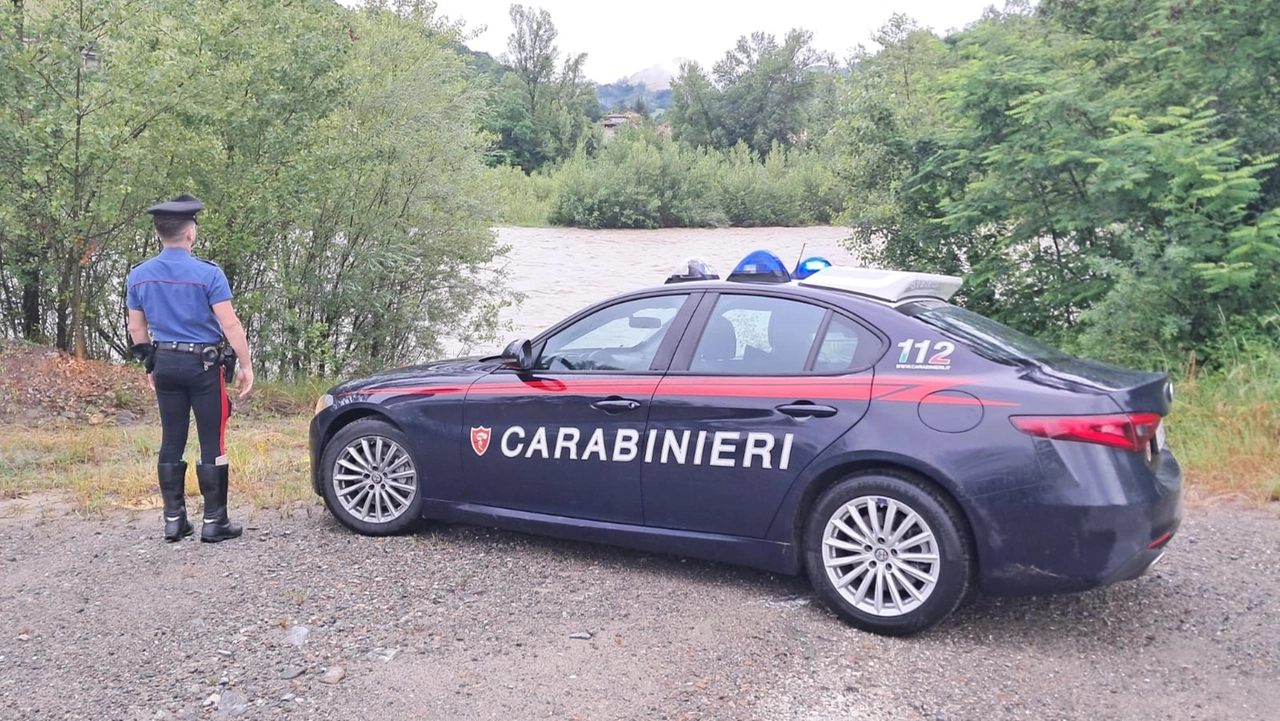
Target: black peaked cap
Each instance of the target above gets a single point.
(183, 206)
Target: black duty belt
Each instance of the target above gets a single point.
(196, 348)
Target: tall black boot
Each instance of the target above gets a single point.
(173, 491)
(213, 485)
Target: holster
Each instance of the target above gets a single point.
(228, 363)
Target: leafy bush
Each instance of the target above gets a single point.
(523, 200)
(642, 179)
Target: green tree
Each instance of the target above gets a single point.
(1080, 204)
(890, 117)
(543, 109)
(338, 152)
(84, 81)
(1180, 52)
(760, 93)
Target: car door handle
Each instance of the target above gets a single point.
(614, 405)
(804, 409)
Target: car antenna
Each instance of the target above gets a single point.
(802, 247)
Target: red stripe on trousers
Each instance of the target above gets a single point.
(226, 413)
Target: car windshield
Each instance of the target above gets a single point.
(992, 340)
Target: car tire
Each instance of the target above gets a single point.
(888, 553)
(370, 479)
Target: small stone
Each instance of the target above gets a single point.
(383, 654)
(69, 415)
(233, 703)
(292, 672)
(212, 700)
(287, 697)
(581, 635)
(24, 637)
(96, 419)
(125, 418)
(223, 652)
(297, 635)
(333, 675)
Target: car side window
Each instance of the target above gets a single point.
(757, 334)
(622, 337)
(839, 347)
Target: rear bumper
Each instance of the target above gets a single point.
(1101, 517)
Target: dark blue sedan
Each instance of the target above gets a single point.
(846, 423)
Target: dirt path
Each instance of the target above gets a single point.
(99, 619)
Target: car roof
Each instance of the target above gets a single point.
(838, 284)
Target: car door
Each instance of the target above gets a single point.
(565, 438)
(756, 393)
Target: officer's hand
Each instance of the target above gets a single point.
(244, 381)
(151, 381)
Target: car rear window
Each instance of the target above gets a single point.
(988, 338)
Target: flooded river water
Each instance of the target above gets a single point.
(561, 270)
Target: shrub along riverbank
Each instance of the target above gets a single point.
(643, 179)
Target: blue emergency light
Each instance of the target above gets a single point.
(761, 266)
(809, 266)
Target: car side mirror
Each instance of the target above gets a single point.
(518, 355)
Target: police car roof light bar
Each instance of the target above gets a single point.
(761, 266)
(891, 286)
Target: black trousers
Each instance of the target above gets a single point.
(183, 387)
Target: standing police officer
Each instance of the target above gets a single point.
(179, 310)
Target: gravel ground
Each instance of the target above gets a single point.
(300, 619)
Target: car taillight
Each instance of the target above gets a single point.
(1127, 431)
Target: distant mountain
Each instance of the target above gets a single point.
(480, 61)
(649, 88)
(655, 78)
(623, 95)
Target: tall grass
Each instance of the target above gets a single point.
(1225, 430)
(105, 466)
(109, 466)
(1225, 427)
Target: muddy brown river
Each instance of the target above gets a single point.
(561, 270)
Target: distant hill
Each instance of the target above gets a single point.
(480, 61)
(655, 77)
(651, 85)
(622, 94)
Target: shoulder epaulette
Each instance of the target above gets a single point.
(210, 262)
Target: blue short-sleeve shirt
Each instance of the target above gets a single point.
(177, 291)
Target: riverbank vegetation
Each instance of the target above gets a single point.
(643, 179)
(1102, 173)
(339, 154)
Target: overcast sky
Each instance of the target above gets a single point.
(621, 38)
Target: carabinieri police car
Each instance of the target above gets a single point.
(846, 423)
